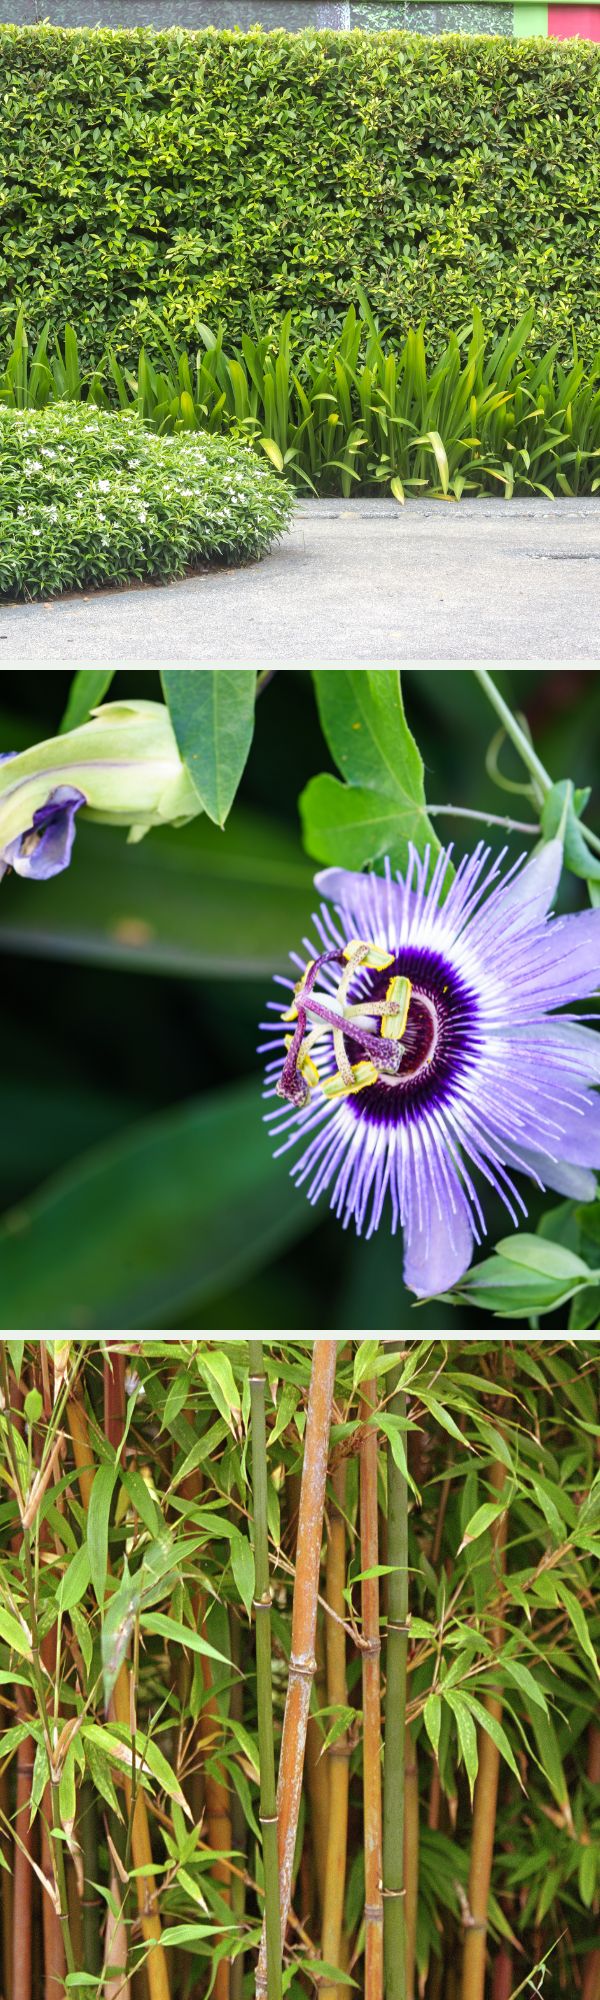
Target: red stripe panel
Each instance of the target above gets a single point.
(564, 22)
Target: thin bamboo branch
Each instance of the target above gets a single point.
(338, 1754)
(484, 1802)
(262, 1622)
(371, 1684)
(304, 1622)
(157, 1974)
(394, 1887)
(218, 1804)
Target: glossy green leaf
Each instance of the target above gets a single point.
(87, 690)
(381, 806)
(212, 712)
(190, 902)
(138, 1230)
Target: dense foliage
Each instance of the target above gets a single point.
(432, 1515)
(90, 497)
(352, 413)
(184, 174)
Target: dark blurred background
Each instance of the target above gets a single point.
(88, 1049)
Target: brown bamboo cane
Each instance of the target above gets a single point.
(22, 1901)
(54, 1949)
(371, 1685)
(317, 1774)
(304, 1623)
(484, 1801)
(22, 1872)
(591, 1977)
(6, 1881)
(503, 1978)
(158, 1980)
(338, 1754)
(315, 1763)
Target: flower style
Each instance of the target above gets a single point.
(45, 847)
(420, 1042)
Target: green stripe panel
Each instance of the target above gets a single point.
(530, 18)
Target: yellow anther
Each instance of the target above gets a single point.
(393, 1025)
(363, 1073)
(291, 1013)
(308, 1069)
(370, 955)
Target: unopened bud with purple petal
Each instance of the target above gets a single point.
(123, 767)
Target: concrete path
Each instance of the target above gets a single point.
(354, 582)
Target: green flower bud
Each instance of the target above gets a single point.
(125, 761)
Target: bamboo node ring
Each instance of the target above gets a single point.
(304, 1669)
(394, 1895)
(373, 1913)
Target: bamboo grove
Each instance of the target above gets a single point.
(299, 1688)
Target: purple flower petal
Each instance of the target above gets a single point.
(46, 847)
(490, 1079)
(438, 1237)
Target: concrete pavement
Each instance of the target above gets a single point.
(353, 582)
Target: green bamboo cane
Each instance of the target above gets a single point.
(394, 1903)
(262, 1611)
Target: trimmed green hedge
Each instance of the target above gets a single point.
(186, 173)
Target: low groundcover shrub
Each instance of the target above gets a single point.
(192, 172)
(91, 497)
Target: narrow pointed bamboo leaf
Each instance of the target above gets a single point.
(213, 718)
(97, 1526)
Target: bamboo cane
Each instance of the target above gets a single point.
(411, 1857)
(394, 1886)
(304, 1624)
(141, 1844)
(316, 1767)
(371, 1685)
(218, 1806)
(216, 1792)
(484, 1805)
(262, 1621)
(239, 1836)
(591, 1977)
(22, 1900)
(503, 1975)
(317, 1774)
(22, 1873)
(338, 1753)
(6, 1881)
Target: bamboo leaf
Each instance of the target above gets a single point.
(98, 1515)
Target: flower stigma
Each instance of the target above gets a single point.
(379, 1055)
